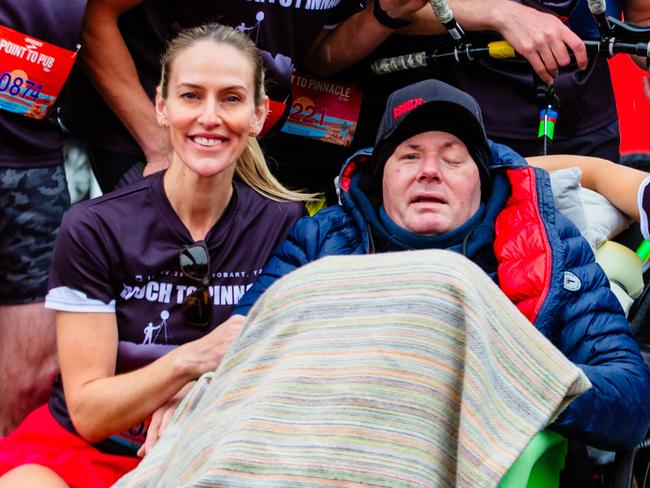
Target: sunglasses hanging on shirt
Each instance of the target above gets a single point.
(194, 262)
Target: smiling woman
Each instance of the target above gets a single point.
(140, 299)
(211, 97)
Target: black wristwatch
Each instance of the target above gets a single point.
(386, 20)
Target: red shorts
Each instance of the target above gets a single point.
(40, 439)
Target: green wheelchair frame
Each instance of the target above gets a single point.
(539, 465)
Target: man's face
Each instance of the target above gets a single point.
(431, 184)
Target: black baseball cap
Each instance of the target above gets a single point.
(432, 105)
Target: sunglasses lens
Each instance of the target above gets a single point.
(197, 309)
(194, 262)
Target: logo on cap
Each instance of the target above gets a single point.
(407, 106)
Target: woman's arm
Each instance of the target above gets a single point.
(110, 66)
(102, 404)
(619, 184)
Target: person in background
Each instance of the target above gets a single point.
(33, 195)
(145, 279)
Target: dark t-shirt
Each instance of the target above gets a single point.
(282, 29)
(26, 142)
(120, 254)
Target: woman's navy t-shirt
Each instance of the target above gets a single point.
(120, 254)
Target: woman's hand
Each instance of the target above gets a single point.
(160, 419)
(205, 354)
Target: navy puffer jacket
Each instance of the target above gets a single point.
(545, 267)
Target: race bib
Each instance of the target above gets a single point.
(32, 73)
(326, 110)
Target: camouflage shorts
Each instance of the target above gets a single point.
(32, 203)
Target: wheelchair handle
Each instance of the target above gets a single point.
(599, 10)
(596, 7)
(466, 53)
(445, 16)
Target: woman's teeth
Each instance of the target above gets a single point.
(204, 141)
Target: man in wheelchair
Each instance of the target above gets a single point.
(433, 180)
(384, 370)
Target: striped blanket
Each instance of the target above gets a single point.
(406, 369)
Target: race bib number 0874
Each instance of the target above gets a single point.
(19, 87)
(32, 73)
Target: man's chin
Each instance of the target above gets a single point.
(427, 226)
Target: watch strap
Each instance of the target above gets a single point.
(386, 20)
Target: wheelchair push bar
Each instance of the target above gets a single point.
(466, 53)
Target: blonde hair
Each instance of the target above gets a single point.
(251, 167)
